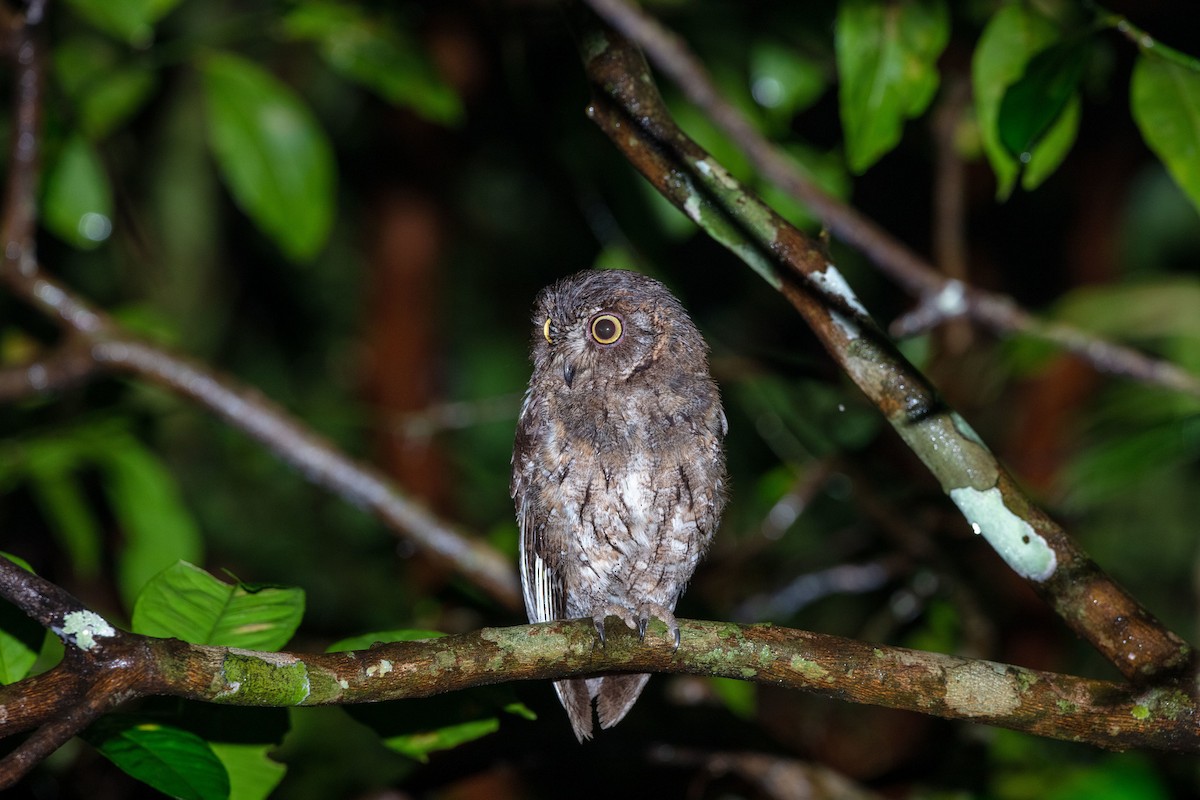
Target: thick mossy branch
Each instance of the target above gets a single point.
(1100, 713)
(627, 107)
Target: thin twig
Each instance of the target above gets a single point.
(670, 54)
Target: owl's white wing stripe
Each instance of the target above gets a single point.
(541, 588)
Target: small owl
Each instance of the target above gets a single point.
(618, 472)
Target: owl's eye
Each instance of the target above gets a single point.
(546, 330)
(606, 328)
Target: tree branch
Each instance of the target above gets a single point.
(627, 107)
(951, 297)
(104, 667)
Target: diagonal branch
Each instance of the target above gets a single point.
(934, 291)
(627, 107)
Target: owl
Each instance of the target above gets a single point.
(618, 469)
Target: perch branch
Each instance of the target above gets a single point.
(104, 667)
(627, 107)
(951, 297)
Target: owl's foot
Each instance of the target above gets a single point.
(614, 610)
(646, 611)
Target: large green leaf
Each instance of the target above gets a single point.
(1011, 40)
(77, 205)
(130, 20)
(175, 762)
(158, 529)
(187, 603)
(886, 56)
(383, 58)
(20, 637)
(1165, 97)
(273, 155)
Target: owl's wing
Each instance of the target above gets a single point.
(541, 585)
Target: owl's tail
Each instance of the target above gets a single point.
(577, 701)
(614, 694)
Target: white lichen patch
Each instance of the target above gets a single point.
(83, 628)
(1013, 538)
(231, 688)
(831, 283)
(382, 668)
(981, 688)
(951, 299)
(342, 682)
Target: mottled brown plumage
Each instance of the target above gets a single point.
(618, 470)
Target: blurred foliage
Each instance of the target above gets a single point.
(351, 205)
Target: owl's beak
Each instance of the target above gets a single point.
(568, 373)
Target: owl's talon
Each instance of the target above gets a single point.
(641, 628)
(598, 622)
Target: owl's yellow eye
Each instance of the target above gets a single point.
(606, 328)
(546, 330)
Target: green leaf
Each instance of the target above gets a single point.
(1152, 309)
(740, 697)
(365, 641)
(187, 603)
(158, 528)
(783, 81)
(1165, 98)
(1112, 466)
(886, 57)
(1053, 147)
(1012, 38)
(253, 774)
(132, 21)
(272, 154)
(173, 761)
(77, 205)
(420, 745)
(104, 91)
(1036, 101)
(114, 98)
(51, 464)
(21, 638)
(384, 59)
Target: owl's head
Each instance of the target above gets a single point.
(612, 324)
